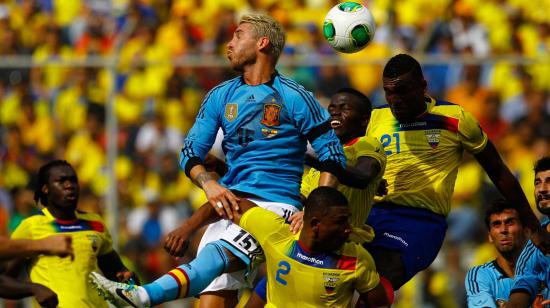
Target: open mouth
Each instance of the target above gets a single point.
(335, 123)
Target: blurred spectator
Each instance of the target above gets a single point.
(494, 126)
(154, 139)
(538, 115)
(47, 79)
(37, 128)
(24, 206)
(468, 34)
(153, 220)
(95, 40)
(469, 92)
(516, 107)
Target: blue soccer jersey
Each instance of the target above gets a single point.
(533, 271)
(266, 129)
(487, 285)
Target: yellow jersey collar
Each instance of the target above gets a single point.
(47, 213)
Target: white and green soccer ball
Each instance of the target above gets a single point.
(349, 27)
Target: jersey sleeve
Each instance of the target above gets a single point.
(107, 243)
(203, 133)
(23, 231)
(263, 224)
(367, 276)
(313, 121)
(310, 181)
(371, 147)
(472, 137)
(479, 291)
(530, 271)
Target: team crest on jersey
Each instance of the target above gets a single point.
(433, 137)
(231, 111)
(330, 281)
(271, 115)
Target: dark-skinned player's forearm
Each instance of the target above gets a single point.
(351, 176)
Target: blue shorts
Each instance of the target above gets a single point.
(416, 233)
(261, 289)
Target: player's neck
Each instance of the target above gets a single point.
(258, 73)
(309, 245)
(508, 263)
(62, 214)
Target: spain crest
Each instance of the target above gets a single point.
(231, 111)
(271, 115)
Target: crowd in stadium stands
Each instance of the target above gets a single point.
(56, 111)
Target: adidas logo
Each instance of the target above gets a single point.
(251, 98)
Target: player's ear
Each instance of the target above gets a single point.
(263, 43)
(44, 189)
(314, 224)
(365, 121)
(489, 237)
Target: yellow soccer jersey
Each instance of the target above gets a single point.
(423, 156)
(68, 279)
(298, 278)
(360, 200)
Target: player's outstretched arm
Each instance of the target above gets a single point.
(509, 187)
(60, 245)
(359, 176)
(13, 289)
(176, 241)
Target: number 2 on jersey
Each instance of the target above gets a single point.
(386, 140)
(284, 269)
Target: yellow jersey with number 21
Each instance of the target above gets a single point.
(423, 155)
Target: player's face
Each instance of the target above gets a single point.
(334, 228)
(63, 188)
(506, 231)
(542, 191)
(241, 50)
(346, 118)
(405, 96)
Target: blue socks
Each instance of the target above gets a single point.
(190, 279)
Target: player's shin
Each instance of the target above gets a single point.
(189, 279)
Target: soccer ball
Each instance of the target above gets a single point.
(349, 27)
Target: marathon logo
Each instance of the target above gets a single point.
(309, 259)
(397, 238)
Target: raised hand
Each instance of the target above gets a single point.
(221, 199)
(60, 245)
(177, 242)
(296, 222)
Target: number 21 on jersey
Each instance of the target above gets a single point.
(283, 270)
(388, 140)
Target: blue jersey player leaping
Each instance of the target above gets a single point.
(267, 120)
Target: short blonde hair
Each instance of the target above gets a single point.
(265, 25)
